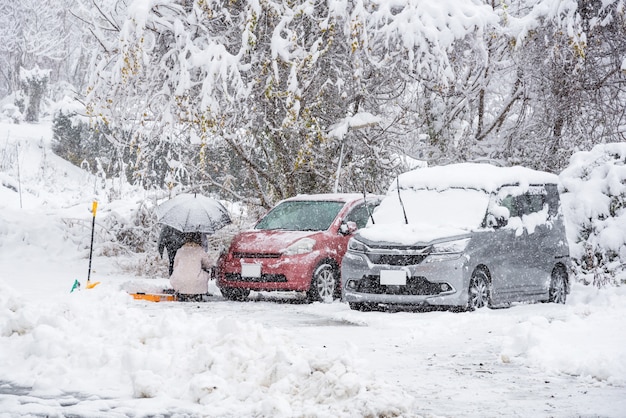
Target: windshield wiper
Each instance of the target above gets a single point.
(367, 208)
(406, 221)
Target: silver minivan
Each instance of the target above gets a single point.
(462, 235)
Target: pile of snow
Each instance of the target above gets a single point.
(102, 342)
(594, 202)
(586, 341)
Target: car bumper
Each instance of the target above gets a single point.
(285, 273)
(437, 283)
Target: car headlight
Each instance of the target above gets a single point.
(450, 247)
(448, 250)
(302, 246)
(357, 246)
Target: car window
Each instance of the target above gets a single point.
(301, 215)
(361, 214)
(533, 203)
(524, 204)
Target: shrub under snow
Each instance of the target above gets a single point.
(594, 200)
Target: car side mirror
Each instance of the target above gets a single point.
(348, 228)
(497, 216)
(495, 222)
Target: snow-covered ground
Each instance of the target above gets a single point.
(98, 352)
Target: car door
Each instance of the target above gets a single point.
(502, 252)
(547, 241)
(532, 229)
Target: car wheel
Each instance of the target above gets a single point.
(558, 287)
(232, 293)
(323, 284)
(479, 292)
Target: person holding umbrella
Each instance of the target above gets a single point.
(192, 215)
(190, 278)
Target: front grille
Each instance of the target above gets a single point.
(265, 278)
(255, 255)
(397, 259)
(415, 286)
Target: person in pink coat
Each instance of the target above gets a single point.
(190, 278)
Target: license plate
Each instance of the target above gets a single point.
(250, 270)
(393, 277)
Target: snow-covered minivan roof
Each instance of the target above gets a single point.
(471, 175)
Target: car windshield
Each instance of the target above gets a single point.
(461, 208)
(301, 215)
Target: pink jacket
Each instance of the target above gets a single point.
(188, 276)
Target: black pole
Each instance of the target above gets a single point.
(93, 227)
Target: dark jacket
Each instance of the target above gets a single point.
(170, 239)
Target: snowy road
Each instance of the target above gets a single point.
(452, 363)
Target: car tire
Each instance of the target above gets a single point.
(361, 306)
(558, 287)
(236, 294)
(479, 291)
(324, 284)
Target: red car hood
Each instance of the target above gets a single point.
(267, 241)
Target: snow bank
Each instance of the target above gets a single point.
(101, 342)
(587, 342)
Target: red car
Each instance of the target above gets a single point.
(296, 246)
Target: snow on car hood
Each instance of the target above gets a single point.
(411, 234)
(267, 241)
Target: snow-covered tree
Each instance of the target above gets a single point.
(526, 88)
(38, 33)
(273, 78)
(34, 84)
(282, 84)
(568, 57)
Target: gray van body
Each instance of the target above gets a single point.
(452, 222)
